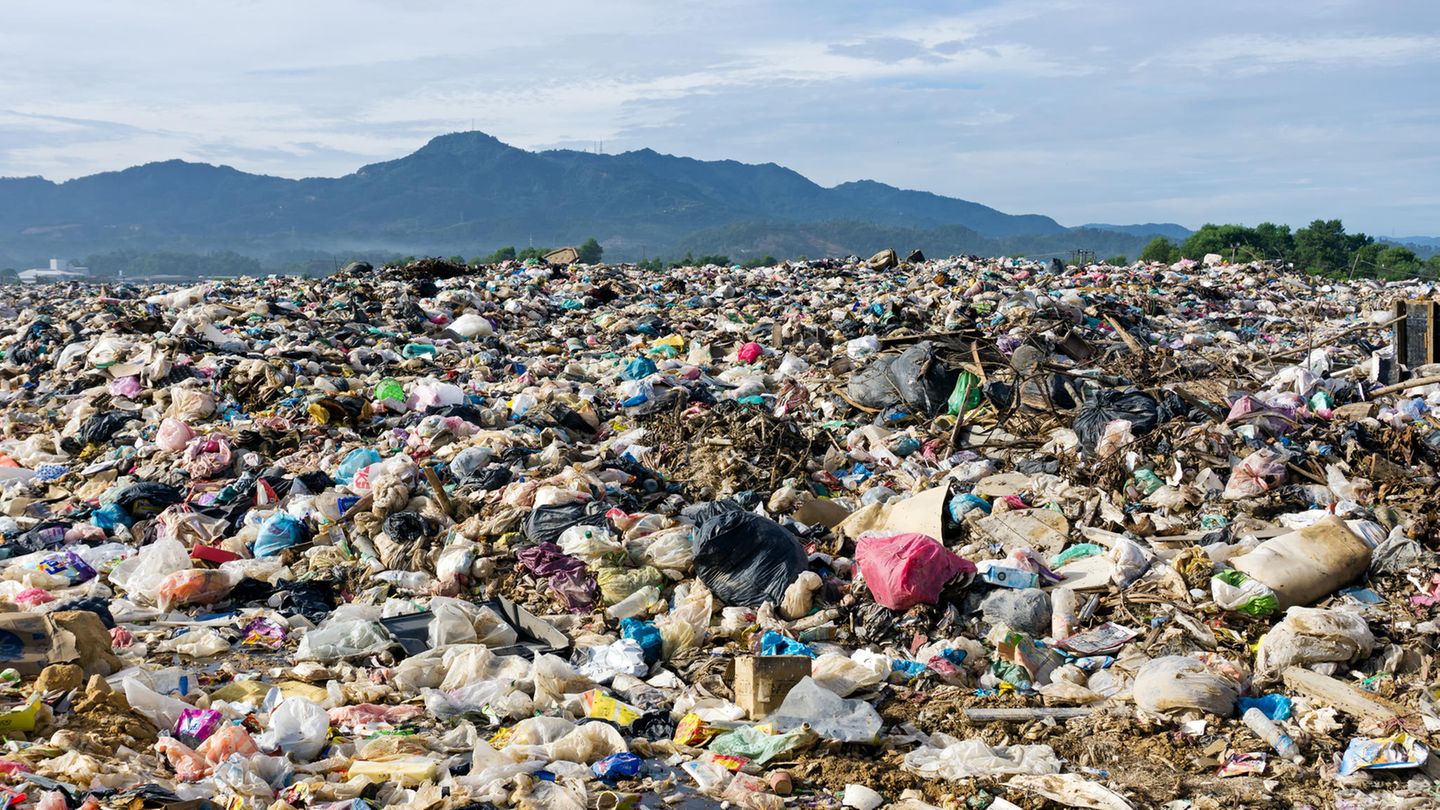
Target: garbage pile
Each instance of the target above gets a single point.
(910, 534)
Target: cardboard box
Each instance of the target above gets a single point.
(762, 681)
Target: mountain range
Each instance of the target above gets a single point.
(468, 192)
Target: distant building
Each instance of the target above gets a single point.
(59, 270)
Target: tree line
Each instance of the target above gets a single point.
(1323, 247)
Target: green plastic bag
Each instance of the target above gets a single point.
(966, 393)
(390, 389)
(1233, 590)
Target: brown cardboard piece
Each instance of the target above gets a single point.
(821, 512)
(922, 513)
(31, 641)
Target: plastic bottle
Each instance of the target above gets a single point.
(634, 604)
(1277, 739)
(1063, 604)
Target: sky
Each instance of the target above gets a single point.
(1118, 111)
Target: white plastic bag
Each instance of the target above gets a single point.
(298, 727)
(1309, 636)
(949, 758)
(845, 675)
(140, 576)
(1177, 683)
(339, 640)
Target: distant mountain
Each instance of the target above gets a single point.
(463, 192)
(1149, 229)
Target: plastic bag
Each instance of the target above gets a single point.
(173, 435)
(904, 570)
(952, 759)
(966, 395)
(1312, 636)
(1104, 406)
(279, 532)
(745, 559)
(827, 714)
(140, 576)
(162, 710)
(345, 639)
(547, 523)
(1177, 683)
(194, 586)
(846, 675)
(298, 727)
(618, 583)
(1257, 473)
(589, 543)
(1235, 591)
(670, 550)
(915, 377)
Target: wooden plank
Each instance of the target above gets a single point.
(1399, 340)
(1324, 690)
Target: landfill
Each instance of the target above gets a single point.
(921, 533)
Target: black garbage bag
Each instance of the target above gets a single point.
(923, 382)
(700, 513)
(871, 385)
(490, 478)
(915, 378)
(147, 499)
(407, 527)
(99, 428)
(547, 523)
(1106, 405)
(314, 598)
(745, 559)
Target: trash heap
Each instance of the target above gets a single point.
(910, 534)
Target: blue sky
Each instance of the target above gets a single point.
(1086, 110)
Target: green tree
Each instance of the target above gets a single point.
(654, 265)
(1117, 261)
(456, 260)
(1324, 247)
(590, 252)
(1273, 242)
(532, 253)
(1160, 250)
(9, 276)
(504, 254)
(763, 261)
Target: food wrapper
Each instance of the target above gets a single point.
(601, 706)
(1383, 753)
(693, 731)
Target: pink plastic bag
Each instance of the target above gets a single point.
(749, 353)
(173, 435)
(907, 569)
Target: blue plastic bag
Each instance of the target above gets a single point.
(355, 461)
(772, 643)
(644, 633)
(638, 369)
(279, 532)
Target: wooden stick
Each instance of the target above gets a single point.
(1404, 386)
(440, 494)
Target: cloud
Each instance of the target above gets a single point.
(1254, 54)
(1089, 110)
